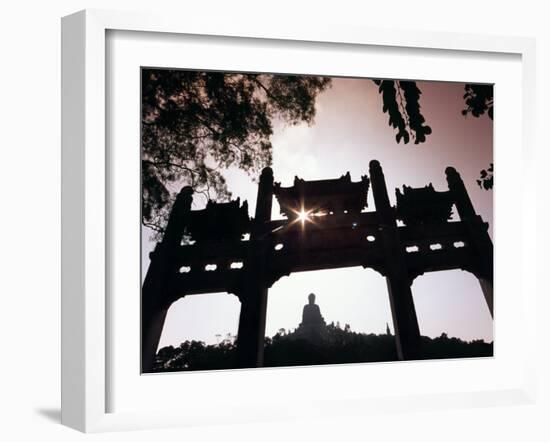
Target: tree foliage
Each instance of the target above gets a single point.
(485, 180)
(341, 347)
(401, 100)
(478, 99)
(195, 124)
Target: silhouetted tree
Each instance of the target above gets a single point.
(485, 180)
(401, 100)
(478, 99)
(340, 346)
(194, 124)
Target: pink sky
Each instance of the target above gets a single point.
(349, 131)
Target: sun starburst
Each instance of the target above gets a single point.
(303, 216)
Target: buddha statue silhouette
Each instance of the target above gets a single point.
(313, 325)
(312, 313)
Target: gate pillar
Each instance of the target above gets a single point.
(487, 289)
(405, 322)
(155, 300)
(480, 240)
(251, 334)
(253, 293)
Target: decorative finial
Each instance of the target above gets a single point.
(374, 164)
(451, 171)
(186, 194)
(186, 191)
(267, 171)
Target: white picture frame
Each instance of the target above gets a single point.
(85, 215)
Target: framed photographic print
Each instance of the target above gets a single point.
(270, 210)
(209, 133)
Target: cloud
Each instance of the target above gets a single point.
(294, 153)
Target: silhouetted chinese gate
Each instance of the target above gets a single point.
(327, 227)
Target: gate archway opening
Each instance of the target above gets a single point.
(452, 302)
(352, 295)
(209, 318)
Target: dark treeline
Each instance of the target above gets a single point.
(340, 346)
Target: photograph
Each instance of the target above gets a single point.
(301, 219)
